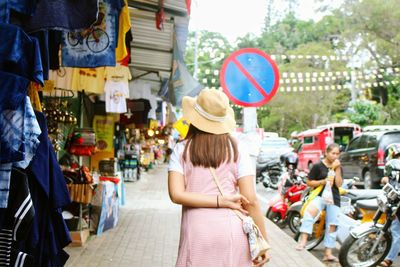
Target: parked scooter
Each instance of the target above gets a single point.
(347, 208)
(369, 244)
(268, 173)
(290, 191)
(293, 214)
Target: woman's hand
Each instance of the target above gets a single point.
(336, 164)
(234, 202)
(261, 260)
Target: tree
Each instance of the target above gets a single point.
(364, 113)
(213, 48)
(372, 25)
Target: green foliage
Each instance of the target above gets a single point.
(213, 48)
(365, 113)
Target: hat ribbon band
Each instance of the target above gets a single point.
(207, 115)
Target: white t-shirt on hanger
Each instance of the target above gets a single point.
(116, 93)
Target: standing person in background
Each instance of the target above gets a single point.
(319, 178)
(170, 147)
(211, 233)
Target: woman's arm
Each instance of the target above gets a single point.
(338, 177)
(336, 165)
(178, 195)
(247, 189)
(315, 183)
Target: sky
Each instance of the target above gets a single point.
(235, 18)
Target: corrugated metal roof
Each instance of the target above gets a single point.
(151, 48)
(146, 35)
(145, 59)
(175, 7)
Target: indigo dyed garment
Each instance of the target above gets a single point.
(19, 137)
(20, 54)
(49, 234)
(62, 14)
(94, 47)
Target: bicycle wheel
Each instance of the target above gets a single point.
(97, 41)
(72, 38)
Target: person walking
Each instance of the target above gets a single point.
(211, 233)
(327, 172)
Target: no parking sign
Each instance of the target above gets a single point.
(249, 77)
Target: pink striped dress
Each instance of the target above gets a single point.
(210, 236)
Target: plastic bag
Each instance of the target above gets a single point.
(327, 195)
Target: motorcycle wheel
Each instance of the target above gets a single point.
(294, 221)
(312, 242)
(274, 182)
(276, 218)
(354, 252)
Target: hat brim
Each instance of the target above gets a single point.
(205, 125)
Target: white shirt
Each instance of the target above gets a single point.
(116, 94)
(244, 163)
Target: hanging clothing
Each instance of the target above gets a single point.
(26, 7)
(121, 72)
(16, 221)
(139, 110)
(43, 39)
(13, 90)
(55, 39)
(63, 78)
(49, 233)
(91, 80)
(20, 54)
(61, 14)
(20, 133)
(116, 94)
(128, 39)
(124, 27)
(141, 89)
(96, 48)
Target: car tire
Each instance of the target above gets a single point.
(367, 179)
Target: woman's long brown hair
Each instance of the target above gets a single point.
(209, 150)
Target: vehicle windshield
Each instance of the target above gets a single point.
(388, 139)
(275, 143)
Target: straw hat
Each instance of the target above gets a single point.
(209, 112)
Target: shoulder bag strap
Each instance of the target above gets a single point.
(212, 170)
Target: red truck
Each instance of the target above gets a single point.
(313, 142)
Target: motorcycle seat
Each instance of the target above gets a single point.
(359, 194)
(368, 204)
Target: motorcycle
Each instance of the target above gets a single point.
(368, 244)
(293, 214)
(290, 191)
(349, 209)
(268, 173)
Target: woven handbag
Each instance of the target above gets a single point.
(258, 245)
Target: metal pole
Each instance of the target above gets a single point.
(196, 46)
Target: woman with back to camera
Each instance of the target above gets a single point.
(211, 233)
(317, 178)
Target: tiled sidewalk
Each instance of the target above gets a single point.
(148, 232)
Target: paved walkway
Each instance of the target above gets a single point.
(148, 232)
